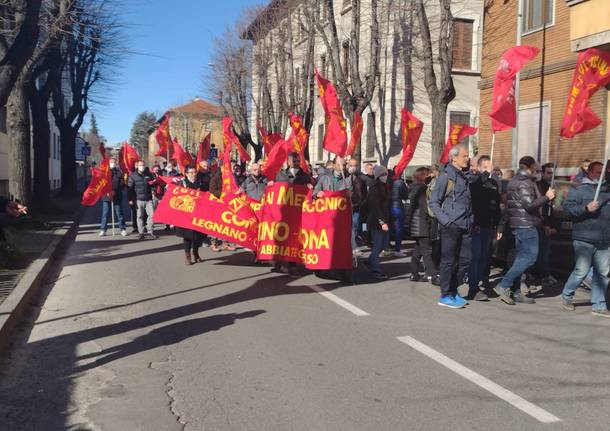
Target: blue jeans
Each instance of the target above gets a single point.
(481, 253)
(378, 237)
(398, 217)
(355, 227)
(587, 254)
(118, 214)
(526, 253)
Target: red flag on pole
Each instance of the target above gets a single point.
(100, 185)
(504, 112)
(298, 139)
(335, 136)
(355, 135)
(105, 160)
(456, 134)
(203, 153)
(276, 158)
(268, 139)
(226, 169)
(411, 128)
(164, 139)
(229, 134)
(592, 72)
(128, 157)
(183, 157)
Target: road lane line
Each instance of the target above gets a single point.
(340, 302)
(515, 400)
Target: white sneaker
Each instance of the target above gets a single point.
(102, 233)
(399, 254)
(123, 232)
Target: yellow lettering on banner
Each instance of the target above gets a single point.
(277, 231)
(287, 196)
(311, 239)
(325, 204)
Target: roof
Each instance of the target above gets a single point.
(267, 15)
(199, 106)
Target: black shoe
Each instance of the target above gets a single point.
(379, 276)
(141, 236)
(415, 276)
(435, 280)
(152, 236)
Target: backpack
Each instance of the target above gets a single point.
(450, 188)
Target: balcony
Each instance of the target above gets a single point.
(589, 24)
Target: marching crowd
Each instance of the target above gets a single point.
(455, 215)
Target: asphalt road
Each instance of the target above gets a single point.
(129, 338)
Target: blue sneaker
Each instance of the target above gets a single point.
(449, 301)
(460, 301)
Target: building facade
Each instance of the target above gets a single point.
(190, 123)
(543, 86)
(381, 142)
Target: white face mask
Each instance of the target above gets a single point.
(352, 170)
(383, 178)
(141, 168)
(293, 171)
(112, 165)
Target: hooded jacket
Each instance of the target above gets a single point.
(591, 227)
(456, 208)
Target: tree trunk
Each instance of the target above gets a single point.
(41, 132)
(18, 127)
(68, 161)
(439, 128)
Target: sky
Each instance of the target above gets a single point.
(170, 44)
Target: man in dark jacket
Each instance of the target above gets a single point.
(420, 226)
(359, 190)
(524, 203)
(294, 174)
(591, 238)
(398, 194)
(140, 183)
(255, 183)
(451, 204)
(485, 191)
(204, 175)
(113, 199)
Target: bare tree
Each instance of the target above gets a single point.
(440, 89)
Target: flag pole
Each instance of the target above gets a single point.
(112, 210)
(493, 146)
(601, 178)
(556, 163)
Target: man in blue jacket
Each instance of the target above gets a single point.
(591, 239)
(450, 202)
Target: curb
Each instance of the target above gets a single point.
(18, 302)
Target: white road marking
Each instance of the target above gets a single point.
(497, 390)
(340, 302)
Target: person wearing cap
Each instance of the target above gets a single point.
(378, 218)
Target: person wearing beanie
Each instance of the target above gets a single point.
(378, 205)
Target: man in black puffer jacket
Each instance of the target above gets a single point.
(524, 203)
(140, 185)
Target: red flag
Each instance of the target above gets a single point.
(356, 134)
(411, 128)
(229, 134)
(456, 134)
(203, 153)
(226, 170)
(504, 112)
(298, 139)
(100, 185)
(268, 139)
(592, 72)
(275, 159)
(335, 137)
(183, 157)
(105, 160)
(169, 180)
(164, 139)
(128, 157)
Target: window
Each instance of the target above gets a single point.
(371, 139)
(346, 59)
(3, 119)
(460, 117)
(320, 141)
(462, 44)
(323, 65)
(536, 14)
(529, 121)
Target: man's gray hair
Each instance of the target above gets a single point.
(455, 150)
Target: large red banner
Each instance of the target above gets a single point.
(295, 228)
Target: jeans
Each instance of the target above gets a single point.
(145, 208)
(481, 254)
(378, 237)
(118, 214)
(456, 247)
(355, 227)
(526, 253)
(543, 263)
(398, 217)
(423, 249)
(587, 254)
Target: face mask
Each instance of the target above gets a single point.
(383, 178)
(140, 168)
(112, 165)
(293, 171)
(538, 176)
(352, 170)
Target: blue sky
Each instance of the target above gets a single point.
(172, 41)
